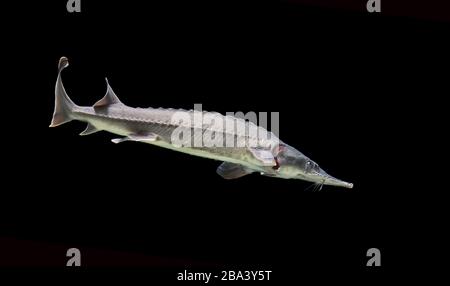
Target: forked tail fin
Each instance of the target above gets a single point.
(63, 105)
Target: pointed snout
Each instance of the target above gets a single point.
(330, 180)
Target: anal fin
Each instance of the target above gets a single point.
(89, 130)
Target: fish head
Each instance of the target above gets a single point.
(292, 164)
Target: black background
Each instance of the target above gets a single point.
(352, 89)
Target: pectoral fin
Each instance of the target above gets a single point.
(232, 171)
(147, 138)
(265, 157)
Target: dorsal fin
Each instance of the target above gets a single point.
(109, 98)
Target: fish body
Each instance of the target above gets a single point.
(244, 148)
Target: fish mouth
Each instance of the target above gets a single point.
(330, 180)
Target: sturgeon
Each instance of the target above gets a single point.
(249, 153)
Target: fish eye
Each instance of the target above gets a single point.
(310, 166)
